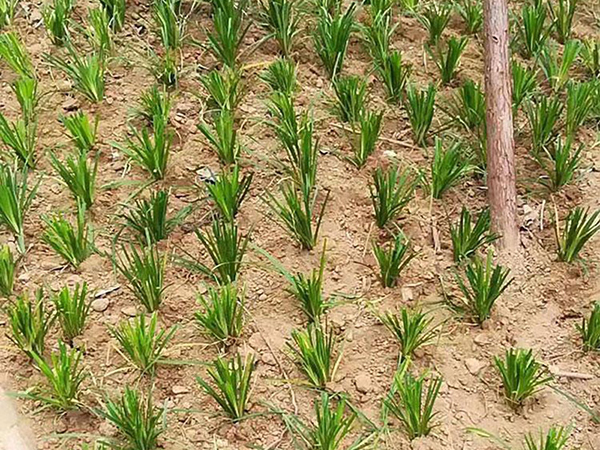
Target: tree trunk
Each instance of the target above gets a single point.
(502, 194)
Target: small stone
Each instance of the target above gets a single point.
(363, 383)
(480, 339)
(407, 294)
(474, 366)
(24, 277)
(178, 390)
(100, 304)
(262, 297)
(390, 154)
(130, 311)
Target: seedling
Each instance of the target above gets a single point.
(379, 32)
(226, 248)
(72, 310)
(471, 12)
(394, 74)
(412, 402)
(223, 137)
(64, 377)
(589, 330)
(486, 283)
(522, 376)
(56, 17)
(331, 39)
(543, 116)
(412, 329)
(165, 67)
(115, 11)
(467, 108)
(561, 164)
(281, 20)
(7, 271)
(350, 98)
(580, 227)
(224, 90)
(8, 9)
(73, 244)
(148, 218)
(562, 17)
(232, 384)
(314, 350)
(280, 76)
(467, 237)
(145, 271)
(222, 315)
(20, 138)
(393, 259)
(555, 70)
(435, 18)
(15, 200)
(155, 102)
(533, 31)
(447, 62)
(391, 192)
(79, 175)
(170, 23)
(363, 144)
(448, 167)
(25, 89)
(524, 84)
(138, 421)
(419, 106)
(229, 191)
(29, 323)
(82, 132)
(590, 56)
(581, 100)
(229, 30)
(13, 53)
(143, 343)
(99, 32)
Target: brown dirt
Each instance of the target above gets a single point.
(539, 311)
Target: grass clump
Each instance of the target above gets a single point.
(229, 29)
(224, 88)
(471, 12)
(448, 61)
(143, 342)
(580, 227)
(29, 323)
(581, 101)
(448, 167)
(7, 271)
(222, 316)
(589, 330)
(522, 376)
(419, 106)
(56, 17)
(26, 91)
(115, 10)
(467, 107)
(411, 328)
(79, 175)
(13, 53)
(331, 38)
(467, 237)
(393, 259)
(364, 142)
(232, 384)
(154, 102)
(543, 116)
(170, 23)
(20, 138)
(281, 76)
(72, 310)
(229, 191)
(435, 18)
(350, 98)
(8, 9)
(561, 164)
(562, 13)
(532, 30)
(394, 74)
(223, 137)
(82, 132)
(524, 84)
(391, 192)
(590, 56)
(555, 70)
(98, 31)
(281, 19)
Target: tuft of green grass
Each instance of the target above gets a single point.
(331, 38)
(419, 106)
(154, 102)
(223, 137)
(412, 401)
(350, 98)
(435, 17)
(281, 76)
(85, 71)
(222, 315)
(145, 272)
(29, 323)
(64, 377)
(15, 200)
(562, 14)
(20, 138)
(229, 30)
(532, 30)
(411, 328)
(543, 116)
(556, 438)
(115, 10)
(148, 220)
(580, 227)
(313, 350)
(137, 420)
(364, 142)
(8, 9)
(394, 74)
(165, 67)
(393, 259)
(82, 132)
(557, 70)
(471, 12)
(467, 109)
(224, 88)
(589, 330)
(467, 237)
(229, 191)
(170, 23)
(72, 310)
(232, 384)
(391, 192)
(281, 19)
(26, 91)
(56, 17)
(13, 53)
(447, 62)
(522, 376)
(524, 84)
(581, 101)
(73, 243)
(378, 32)
(143, 342)
(590, 56)
(448, 167)
(98, 31)
(7, 271)
(561, 164)
(486, 283)
(79, 175)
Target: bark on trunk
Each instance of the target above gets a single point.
(502, 193)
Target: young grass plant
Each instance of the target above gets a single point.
(229, 191)
(148, 220)
(589, 330)
(15, 200)
(533, 31)
(222, 315)
(590, 56)
(143, 342)
(420, 106)
(138, 421)
(364, 142)
(86, 72)
(378, 33)
(555, 70)
(224, 88)
(229, 30)
(524, 84)
(64, 377)
(467, 237)
(232, 384)
(556, 438)
(281, 76)
(393, 259)
(543, 116)
(81, 130)
(145, 272)
(98, 31)
(350, 98)
(412, 402)
(562, 14)
(79, 175)
(581, 101)
(154, 102)
(7, 271)
(580, 227)
(435, 18)
(72, 243)
(467, 108)
(13, 53)
(394, 74)
(72, 310)
(170, 23)
(56, 17)
(313, 350)
(20, 138)
(226, 248)
(165, 67)
(223, 137)
(115, 11)
(522, 376)
(281, 19)
(29, 323)
(8, 9)
(448, 167)
(448, 61)
(486, 283)
(561, 164)
(391, 192)
(471, 12)
(412, 329)
(26, 91)
(331, 38)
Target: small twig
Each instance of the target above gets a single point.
(105, 292)
(574, 375)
